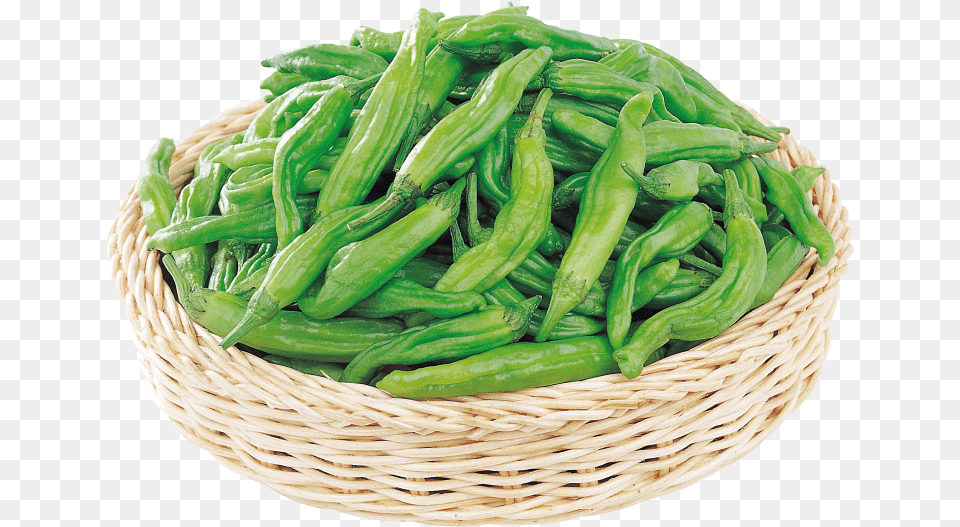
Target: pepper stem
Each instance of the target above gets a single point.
(261, 309)
(657, 186)
(699, 263)
(519, 315)
(734, 206)
(357, 88)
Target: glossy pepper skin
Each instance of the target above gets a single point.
(378, 42)
(156, 195)
(365, 266)
(299, 149)
(400, 296)
(249, 194)
(493, 165)
(528, 31)
(806, 176)
(491, 327)
(710, 100)
(290, 334)
(678, 231)
(383, 122)
(608, 198)
(295, 267)
(522, 222)
(504, 293)
(322, 61)
(635, 62)
(224, 266)
(279, 83)
(601, 112)
(723, 303)
(782, 261)
(198, 199)
(595, 82)
(254, 225)
(260, 259)
(667, 141)
(685, 286)
(784, 192)
(677, 181)
(465, 130)
(508, 368)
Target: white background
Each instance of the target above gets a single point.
(872, 88)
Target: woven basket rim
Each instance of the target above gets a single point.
(240, 382)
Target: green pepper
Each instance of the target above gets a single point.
(156, 195)
(383, 123)
(365, 266)
(595, 82)
(600, 112)
(608, 198)
(677, 181)
(679, 230)
(295, 267)
(782, 261)
(486, 35)
(260, 260)
(784, 192)
(244, 154)
(322, 61)
(254, 193)
(685, 286)
(423, 271)
(310, 367)
(223, 266)
(493, 164)
(667, 141)
(279, 83)
(464, 131)
(198, 199)
(522, 222)
(710, 101)
(378, 42)
(454, 338)
(587, 132)
(254, 225)
(508, 368)
(290, 334)
(569, 191)
(715, 196)
(300, 148)
(723, 303)
(715, 241)
(399, 296)
(635, 62)
(806, 176)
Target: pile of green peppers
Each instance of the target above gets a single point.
(481, 204)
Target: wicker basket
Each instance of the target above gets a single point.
(534, 456)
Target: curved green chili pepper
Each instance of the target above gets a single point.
(242, 196)
(454, 338)
(784, 192)
(601, 112)
(295, 267)
(375, 41)
(606, 204)
(310, 367)
(197, 199)
(595, 82)
(290, 334)
(710, 100)
(508, 368)
(723, 303)
(259, 152)
(782, 261)
(403, 296)
(677, 181)
(156, 195)
(322, 61)
(807, 176)
(575, 127)
(522, 222)
(259, 260)
(279, 83)
(383, 123)
(715, 196)
(367, 265)
(223, 266)
(685, 286)
(499, 29)
(635, 62)
(678, 231)
(715, 241)
(299, 149)
(254, 225)
(569, 191)
(464, 131)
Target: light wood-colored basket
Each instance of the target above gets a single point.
(534, 456)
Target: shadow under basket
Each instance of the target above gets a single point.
(533, 456)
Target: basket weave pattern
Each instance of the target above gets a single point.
(534, 456)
